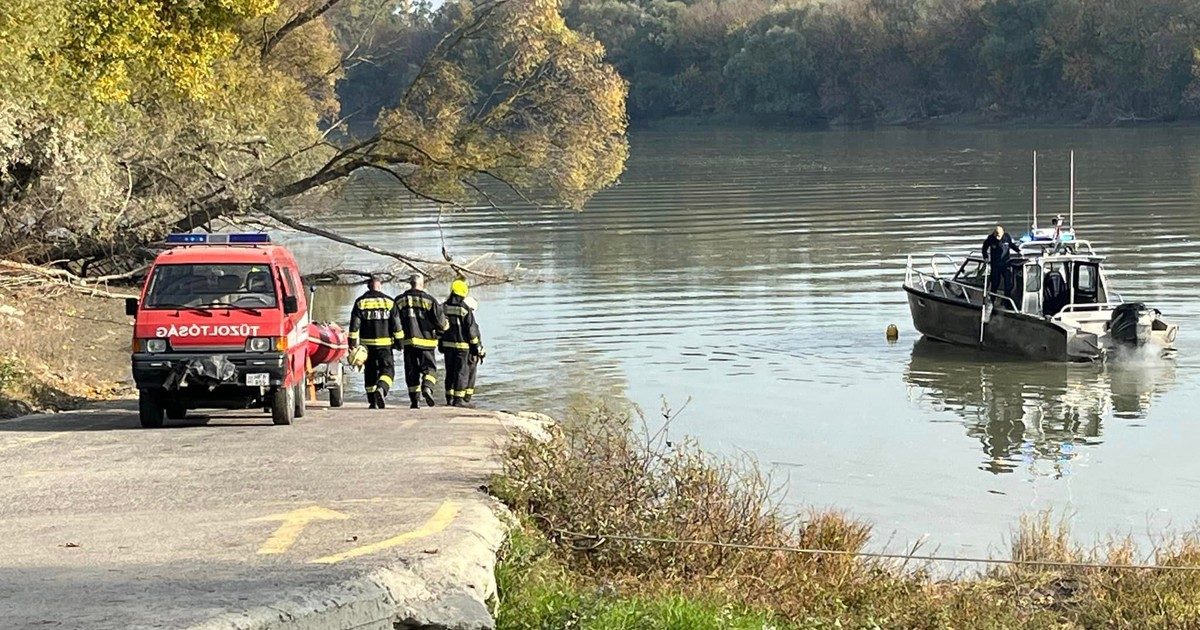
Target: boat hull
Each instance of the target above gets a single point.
(956, 321)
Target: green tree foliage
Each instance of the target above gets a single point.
(898, 60)
(121, 120)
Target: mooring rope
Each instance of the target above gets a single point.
(599, 539)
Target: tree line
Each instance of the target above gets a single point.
(123, 121)
(853, 61)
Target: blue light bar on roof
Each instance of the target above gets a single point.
(257, 238)
(252, 238)
(187, 239)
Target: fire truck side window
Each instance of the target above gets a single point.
(288, 281)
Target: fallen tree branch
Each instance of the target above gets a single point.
(420, 265)
(16, 274)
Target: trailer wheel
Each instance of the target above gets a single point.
(150, 410)
(176, 411)
(283, 407)
(335, 395)
(299, 397)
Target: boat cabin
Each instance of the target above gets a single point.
(1047, 278)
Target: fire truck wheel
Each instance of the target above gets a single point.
(335, 395)
(150, 410)
(299, 397)
(282, 405)
(176, 411)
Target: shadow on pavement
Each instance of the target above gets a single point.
(122, 415)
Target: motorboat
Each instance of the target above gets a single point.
(1061, 306)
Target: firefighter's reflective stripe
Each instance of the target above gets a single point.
(462, 332)
(470, 391)
(414, 389)
(370, 389)
(421, 317)
(368, 304)
(374, 320)
(431, 378)
(413, 301)
(398, 335)
(385, 379)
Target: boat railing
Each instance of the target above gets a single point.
(1057, 248)
(933, 261)
(1099, 306)
(971, 294)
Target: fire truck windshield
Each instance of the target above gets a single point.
(211, 286)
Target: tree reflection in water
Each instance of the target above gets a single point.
(1032, 414)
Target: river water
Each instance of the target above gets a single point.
(753, 273)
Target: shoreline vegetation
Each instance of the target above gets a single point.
(605, 472)
(902, 61)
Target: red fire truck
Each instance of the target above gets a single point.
(223, 323)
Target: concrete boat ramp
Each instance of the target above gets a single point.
(351, 518)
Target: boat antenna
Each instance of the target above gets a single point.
(1072, 206)
(1034, 190)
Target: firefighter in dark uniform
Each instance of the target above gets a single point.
(473, 305)
(375, 323)
(459, 344)
(423, 322)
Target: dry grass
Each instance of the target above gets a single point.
(604, 473)
(59, 349)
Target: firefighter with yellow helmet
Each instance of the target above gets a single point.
(460, 345)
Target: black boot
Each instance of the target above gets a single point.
(382, 397)
(371, 399)
(413, 399)
(428, 392)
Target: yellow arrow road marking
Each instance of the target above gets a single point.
(294, 522)
(436, 523)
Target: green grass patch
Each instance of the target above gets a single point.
(538, 592)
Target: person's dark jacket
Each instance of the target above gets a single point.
(996, 250)
(375, 322)
(422, 318)
(463, 334)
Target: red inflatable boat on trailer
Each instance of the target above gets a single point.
(327, 347)
(327, 343)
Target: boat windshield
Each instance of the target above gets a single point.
(972, 273)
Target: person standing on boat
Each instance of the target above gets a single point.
(996, 248)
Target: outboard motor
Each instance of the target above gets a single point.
(1127, 326)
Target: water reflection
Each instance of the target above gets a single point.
(1039, 415)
